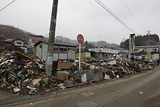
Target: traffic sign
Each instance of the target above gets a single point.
(80, 38)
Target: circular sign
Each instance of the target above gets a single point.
(80, 38)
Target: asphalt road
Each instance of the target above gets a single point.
(142, 90)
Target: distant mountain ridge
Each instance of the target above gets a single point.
(142, 40)
(96, 44)
(65, 40)
(104, 43)
(10, 32)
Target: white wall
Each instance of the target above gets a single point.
(71, 55)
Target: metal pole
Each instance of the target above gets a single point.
(49, 60)
(79, 57)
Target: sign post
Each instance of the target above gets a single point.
(79, 57)
(80, 40)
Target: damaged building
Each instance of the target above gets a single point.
(13, 45)
(62, 51)
(102, 53)
(147, 51)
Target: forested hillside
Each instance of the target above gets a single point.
(10, 32)
(140, 40)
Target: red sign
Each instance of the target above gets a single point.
(80, 38)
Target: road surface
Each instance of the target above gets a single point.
(142, 90)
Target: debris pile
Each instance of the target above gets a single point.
(23, 74)
(20, 73)
(124, 68)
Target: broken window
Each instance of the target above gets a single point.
(19, 43)
(63, 50)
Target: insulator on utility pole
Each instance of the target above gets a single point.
(49, 60)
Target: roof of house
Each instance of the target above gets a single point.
(37, 38)
(57, 43)
(17, 39)
(6, 42)
(12, 40)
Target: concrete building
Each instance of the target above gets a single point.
(62, 51)
(102, 53)
(20, 44)
(148, 51)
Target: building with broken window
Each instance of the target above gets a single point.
(62, 51)
(13, 45)
(20, 44)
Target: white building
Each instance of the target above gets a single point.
(101, 53)
(154, 50)
(18, 43)
(104, 50)
(62, 51)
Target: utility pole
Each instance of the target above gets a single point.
(129, 56)
(149, 34)
(49, 60)
(149, 43)
(131, 46)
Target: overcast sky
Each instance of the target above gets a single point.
(85, 17)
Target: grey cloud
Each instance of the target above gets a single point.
(84, 16)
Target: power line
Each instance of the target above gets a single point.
(114, 15)
(136, 19)
(139, 13)
(94, 19)
(7, 5)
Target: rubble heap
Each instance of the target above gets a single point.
(124, 68)
(23, 74)
(20, 73)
